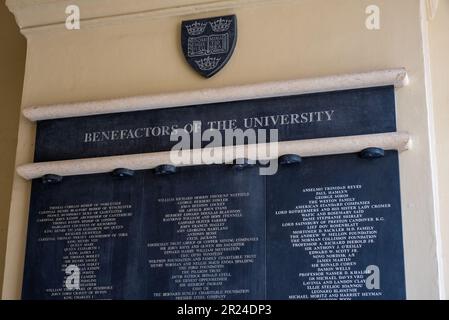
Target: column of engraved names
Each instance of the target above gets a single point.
(80, 228)
(333, 228)
(204, 246)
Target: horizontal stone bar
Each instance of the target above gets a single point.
(305, 148)
(395, 77)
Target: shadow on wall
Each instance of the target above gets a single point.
(12, 68)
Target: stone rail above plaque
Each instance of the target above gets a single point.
(399, 141)
(339, 114)
(390, 77)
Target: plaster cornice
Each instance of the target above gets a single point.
(38, 15)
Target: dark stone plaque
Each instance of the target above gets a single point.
(353, 112)
(92, 222)
(149, 237)
(327, 228)
(206, 240)
(333, 222)
(312, 231)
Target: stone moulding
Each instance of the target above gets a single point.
(49, 15)
(396, 77)
(400, 141)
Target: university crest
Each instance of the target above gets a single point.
(208, 44)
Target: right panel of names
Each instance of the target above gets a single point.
(334, 229)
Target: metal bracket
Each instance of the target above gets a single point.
(241, 164)
(288, 159)
(123, 173)
(165, 169)
(51, 179)
(372, 153)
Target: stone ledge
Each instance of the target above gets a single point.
(396, 77)
(400, 141)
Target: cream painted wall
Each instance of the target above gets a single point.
(12, 69)
(140, 54)
(439, 50)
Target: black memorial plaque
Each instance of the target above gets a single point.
(329, 228)
(207, 239)
(332, 223)
(92, 222)
(352, 112)
(149, 236)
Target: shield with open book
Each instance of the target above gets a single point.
(208, 44)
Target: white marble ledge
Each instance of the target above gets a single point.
(400, 141)
(396, 77)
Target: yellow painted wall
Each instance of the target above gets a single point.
(439, 54)
(12, 68)
(134, 55)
